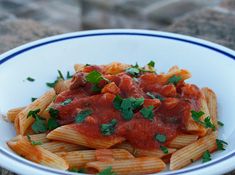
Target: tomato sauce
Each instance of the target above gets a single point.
(170, 113)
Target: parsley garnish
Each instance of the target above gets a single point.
(107, 171)
(206, 156)
(39, 124)
(33, 142)
(94, 77)
(68, 76)
(33, 99)
(81, 116)
(220, 123)
(96, 88)
(209, 124)
(52, 122)
(52, 85)
(220, 144)
(147, 112)
(207, 121)
(127, 105)
(60, 75)
(159, 97)
(30, 79)
(66, 102)
(108, 128)
(160, 138)
(151, 64)
(76, 170)
(174, 79)
(133, 71)
(164, 149)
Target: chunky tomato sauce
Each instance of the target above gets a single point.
(171, 107)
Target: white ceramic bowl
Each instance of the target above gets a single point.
(211, 65)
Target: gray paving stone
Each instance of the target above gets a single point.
(18, 31)
(229, 4)
(210, 25)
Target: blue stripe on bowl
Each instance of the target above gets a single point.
(6, 153)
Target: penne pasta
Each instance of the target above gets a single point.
(193, 151)
(56, 146)
(211, 103)
(182, 140)
(36, 153)
(12, 113)
(39, 138)
(62, 85)
(41, 103)
(80, 158)
(68, 133)
(141, 152)
(142, 165)
(115, 68)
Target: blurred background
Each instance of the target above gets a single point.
(22, 21)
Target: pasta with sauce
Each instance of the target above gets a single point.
(118, 119)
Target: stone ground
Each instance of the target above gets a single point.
(22, 21)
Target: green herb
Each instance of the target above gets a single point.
(51, 85)
(107, 171)
(197, 115)
(39, 125)
(164, 149)
(87, 65)
(159, 97)
(127, 105)
(135, 79)
(206, 156)
(30, 79)
(33, 113)
(174, 79)
(117, 102)
(66, 102)
(220, 123)
(151, 64)
(33, 142)
(147, 112)
(150, 95)
(76, 170)
(94, 77)
(33, 99)
(207, 121)
(108, 128)
(209, 124)
(53, 112)
(81, 116)
(160, 138)
(52, 123)
(133, 71)
(220, 144)
(68, 76)
(96, 88)
(60, 75)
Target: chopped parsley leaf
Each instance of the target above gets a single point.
(220, 144)
(53, 112)
(197, 115)
(159, 97)
(117, 102)
(52, 123)
(133, 71)
(209, 124)
(108, 128)
(76, 170)
(68, 76)
(206, 156)
(94, 77)
(160, 138)
(220, 123)
(174, 79)
(107, 171)
(81, 116)
(51, 85)
(150, 95)
(33, 142)
(39, 125)
(96, 88)
(151, 64)
(33, 113)
(147, 112)
(30, 79)
(60, 75)
(33, 99)
(66, 102)
(164, 149)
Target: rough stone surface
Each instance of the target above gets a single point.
(210, 25)
(229, 4)
(18, 31)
